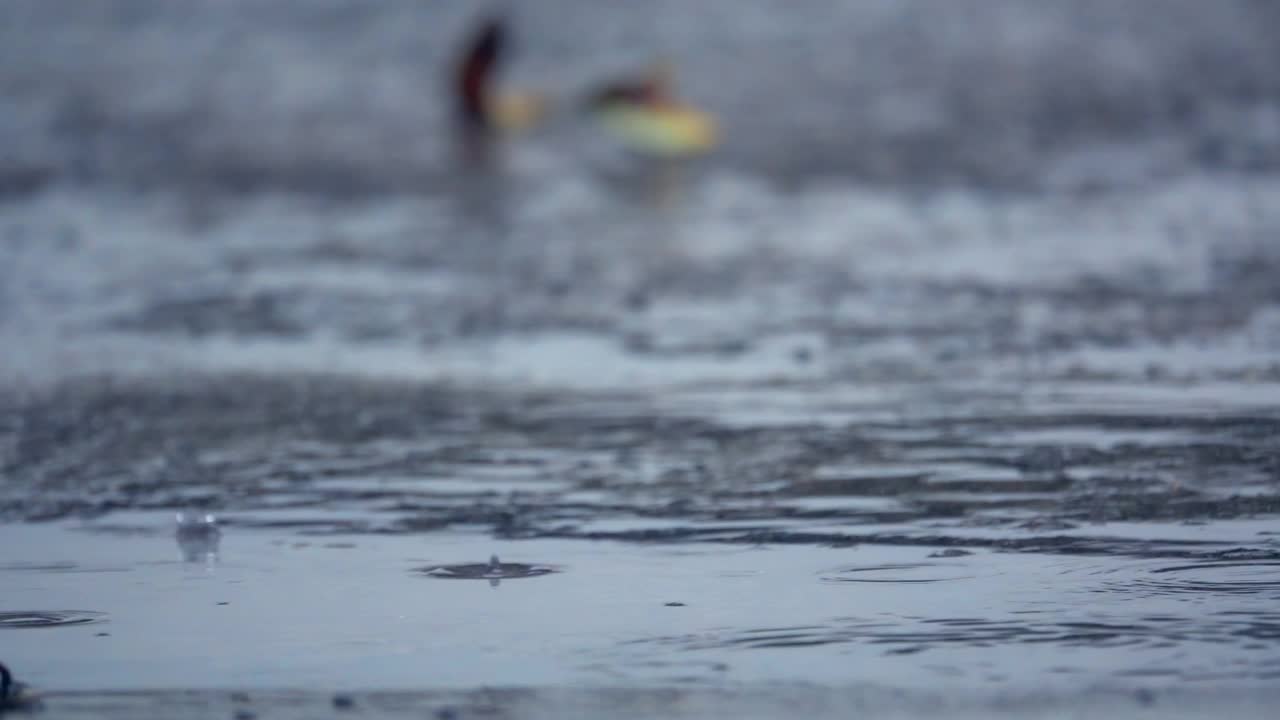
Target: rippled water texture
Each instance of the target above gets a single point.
(46, 618)
(954, 369)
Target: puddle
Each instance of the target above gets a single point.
(634, 613)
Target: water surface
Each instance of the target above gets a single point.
(953, 376)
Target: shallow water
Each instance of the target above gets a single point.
(356, 611)
(955, 370)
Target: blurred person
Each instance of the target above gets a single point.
(484, 111)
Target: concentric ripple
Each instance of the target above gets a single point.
(902, 635)
(19, 619)
(901, 573)
(1240, 578)
(60, 568)
(492, 570)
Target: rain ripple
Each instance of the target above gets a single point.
(48, 618)
(1208, 578)
(495, 569)
(905, 635)
(901, 573)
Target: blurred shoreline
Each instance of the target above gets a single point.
(348, 98)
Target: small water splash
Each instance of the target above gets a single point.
(198, 537)
(22, 619)
(494, 571)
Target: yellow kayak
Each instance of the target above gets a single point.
(645, 115)
(664, 129)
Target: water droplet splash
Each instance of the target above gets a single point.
(494, 570)
(198, 537)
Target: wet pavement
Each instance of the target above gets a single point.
(921, 392)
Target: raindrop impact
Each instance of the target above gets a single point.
(494, 571)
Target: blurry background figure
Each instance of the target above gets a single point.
(483, 111)
(15, 695)
(198, 537)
